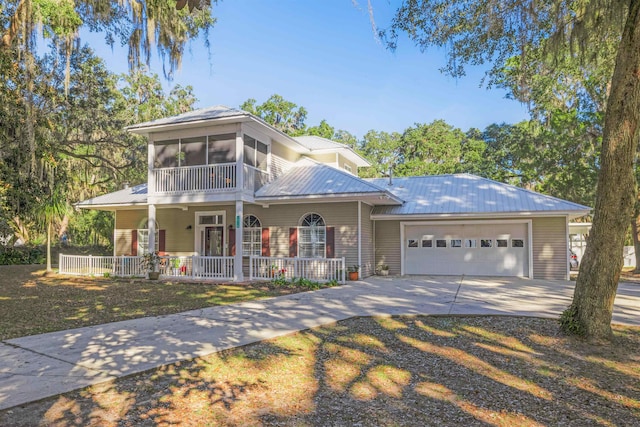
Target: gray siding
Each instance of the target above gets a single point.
(368, 258)
(387, 245)
(550, 250)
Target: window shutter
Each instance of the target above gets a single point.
(293, 242)
(232, 242)
(134, 242)
(330, 243)
(161, 244)
(266, 251)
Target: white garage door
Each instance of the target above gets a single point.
(475, 249)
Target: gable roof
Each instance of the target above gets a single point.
(311, 179)
(318, 144)
(465, 194)
(131, 196)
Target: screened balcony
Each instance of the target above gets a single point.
(208, 164)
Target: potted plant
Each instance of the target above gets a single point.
(150, 262)
(353, 272)
(383, 270)
(175, 266)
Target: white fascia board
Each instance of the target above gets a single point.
(112, 207)
(280, 136)
(347, 152)
(417, 217)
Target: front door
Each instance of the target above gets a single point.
(213, 238)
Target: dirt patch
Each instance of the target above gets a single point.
(405, 371)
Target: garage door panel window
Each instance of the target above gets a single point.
(517, 243)
(441, 243)
(412, 243)
(471, 243)
(502, 243)
(456, 243)
(427, 243)
(486, 243)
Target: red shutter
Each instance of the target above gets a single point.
(134, 242)
(331, 248)
(266, 251)
(293, 242)
(161, 244)
(232, 242)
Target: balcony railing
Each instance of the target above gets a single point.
(204, 178)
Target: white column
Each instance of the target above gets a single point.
(360, 236)
(151, 226)
(239, 161)
(151, 175)
(237, 260)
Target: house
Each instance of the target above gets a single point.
(226, 187)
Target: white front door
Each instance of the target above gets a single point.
(209, 233)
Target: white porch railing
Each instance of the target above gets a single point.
(318, 269)
(254, 178)
(217, 177)
(188, 267)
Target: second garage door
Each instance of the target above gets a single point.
(475, 249)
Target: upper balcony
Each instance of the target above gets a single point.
(209, 165)
(214, 178)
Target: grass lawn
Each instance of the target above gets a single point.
(403, 371)
(32, 304)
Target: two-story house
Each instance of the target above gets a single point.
(226, 187)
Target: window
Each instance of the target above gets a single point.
(502, 243)
(470, 243)
(347, 168)
(251, 236)
(413, 243)
(143, 241)
(210, 220)
(486, 243)
(456, 243)
(427, 243)
(517, 243)
(441, 243)
(255, 153)
(312, 236)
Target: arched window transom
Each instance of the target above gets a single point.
(312, 236)
(251, 236)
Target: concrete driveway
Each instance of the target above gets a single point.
(40, 366)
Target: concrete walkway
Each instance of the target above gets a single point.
(40, 366)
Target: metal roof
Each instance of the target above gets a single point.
(318, 143)
(310, 178)
(209, 113)
(136, 195)
(467, 194)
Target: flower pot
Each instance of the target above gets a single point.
(154, 275)
(353, 275)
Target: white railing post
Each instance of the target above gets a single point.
(344, 278)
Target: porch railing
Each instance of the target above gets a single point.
(318, 269)
(216, 177)
(254, 179)
(188, 267)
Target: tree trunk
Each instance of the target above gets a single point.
(592, 307)
(49, 269)
(636, 242)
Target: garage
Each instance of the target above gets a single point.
(474, 248)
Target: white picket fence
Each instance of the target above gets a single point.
(316, 269)
(190, 267)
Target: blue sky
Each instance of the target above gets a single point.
(322, 54)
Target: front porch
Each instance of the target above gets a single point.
(219, 268)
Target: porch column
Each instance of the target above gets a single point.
(237, 260)
(151, 226)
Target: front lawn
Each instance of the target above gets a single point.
(403, 371)
(32, 304)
